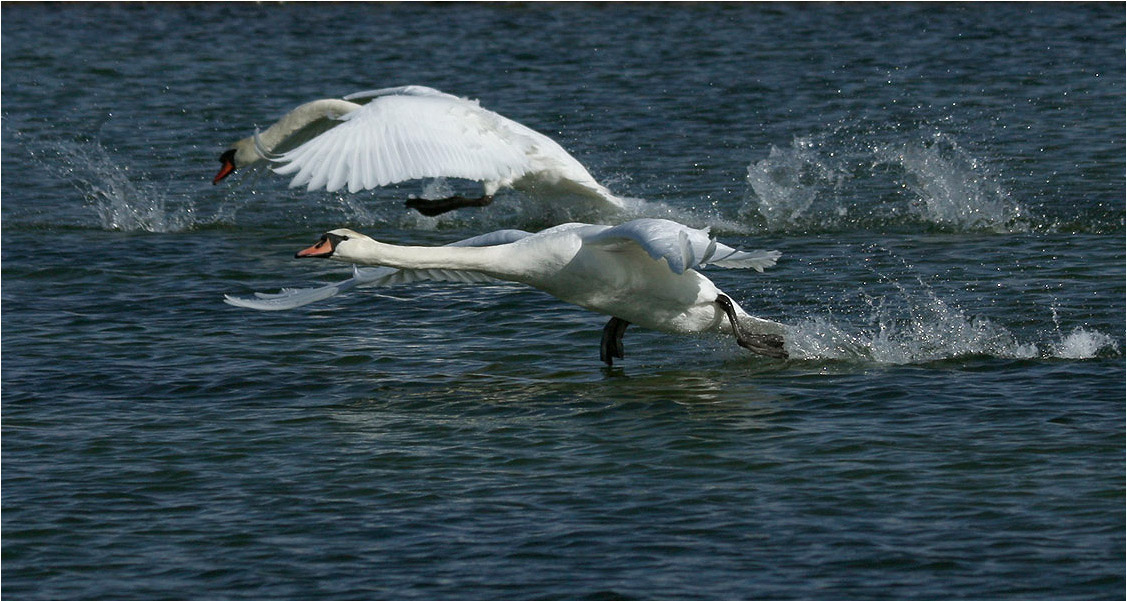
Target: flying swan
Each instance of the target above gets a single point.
(641, 272)
(392, 135)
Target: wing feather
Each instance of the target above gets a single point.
(727, 257)
(398, 137)
(682, 247)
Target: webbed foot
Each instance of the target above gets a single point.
(770, 345)
(611, 345)
(433, 207)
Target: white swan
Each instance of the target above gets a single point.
(641, 272)
(409, 133)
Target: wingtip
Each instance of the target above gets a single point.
(234, 301)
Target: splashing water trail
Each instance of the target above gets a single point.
(122, 199)
(910, 330)
(951, 185)
(866, 177)
(933, 331)
(1083, 344)
(900, 319)
(788, 182)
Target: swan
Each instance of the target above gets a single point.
(380, 137)
(642, 272)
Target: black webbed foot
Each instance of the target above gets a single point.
(611, 345)
(770, 345)
(433, 207)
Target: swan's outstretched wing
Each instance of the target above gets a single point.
(406, 134)
(289, 298)
(683, 247)
(559, 170)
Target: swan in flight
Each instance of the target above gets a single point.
(392, 135)
(642, 272)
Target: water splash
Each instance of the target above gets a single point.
(1082, 343)
(122, 198)
(875, 178)
(952, 188)
(921, 330)
(918, 327)
(788, 182)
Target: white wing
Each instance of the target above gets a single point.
(410, 133)
(290, 298)
(368, 95)
(727, 257)
(555, 166)
(683, 247)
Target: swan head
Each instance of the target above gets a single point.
(241, 154)
(340, 244)
(228, 161)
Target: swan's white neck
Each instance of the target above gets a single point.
(302, 116)
(492, 260)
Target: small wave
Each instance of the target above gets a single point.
(858, 177)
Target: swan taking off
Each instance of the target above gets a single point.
(382, 137)
(642, 272)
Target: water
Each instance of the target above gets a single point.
(946, 184)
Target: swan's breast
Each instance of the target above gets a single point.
(629, 284)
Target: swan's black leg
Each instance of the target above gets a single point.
(611, 346)
(770, 345)
(433, 207)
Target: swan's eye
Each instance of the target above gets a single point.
(335, 239)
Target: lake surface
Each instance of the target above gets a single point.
(946, 185)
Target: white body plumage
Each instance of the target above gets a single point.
(643, 271)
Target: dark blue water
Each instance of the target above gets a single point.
(946, 185)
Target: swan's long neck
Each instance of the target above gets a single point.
(302, 116)
(493, 261)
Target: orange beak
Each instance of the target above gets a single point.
(323, 248)
(228, 160)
